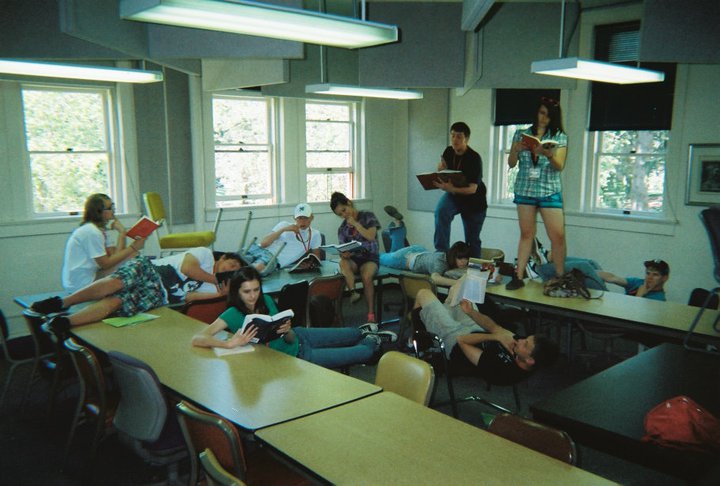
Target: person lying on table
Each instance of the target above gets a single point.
(142, 284)
(657, 272)
(330, 347)
(418, 259)
(476, 345)
(299, 239)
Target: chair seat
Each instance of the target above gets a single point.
(187, 240)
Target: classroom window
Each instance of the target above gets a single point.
(506, 183)
(244, 156)
(630, 171)
(68, 139)
(330, 138)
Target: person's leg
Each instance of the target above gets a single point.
(335, 347)
(96, 311)
(348, 269)
(398, 235)
(554, 220)
(472, 224)
(95, 291)
(398, 259)
(367, 275)
(445, 211)
(527, 218)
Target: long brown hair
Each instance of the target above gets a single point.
(246, 274)
(554, 113)
(94, 207)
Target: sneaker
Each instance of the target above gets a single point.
(383, 336)
(354, 297)
(368, 327)
(541, 251)
(52, 305)
(515, 283)
(530, 270)
(393, 212)
(58, 325)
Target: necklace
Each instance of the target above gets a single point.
(305, 243)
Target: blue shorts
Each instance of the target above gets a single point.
(551, 201)
(257, 254)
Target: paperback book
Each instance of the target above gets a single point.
(455, 176)
(143, 228)
(266, 325)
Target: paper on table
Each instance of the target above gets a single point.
(129, 321)
(236, 350)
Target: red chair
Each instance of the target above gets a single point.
(206, 310)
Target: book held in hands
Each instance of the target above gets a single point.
(530, 142)
(307, 263)
(143, 228)
(455, 176)
(336, 249)
(472, 287)
(266, 325)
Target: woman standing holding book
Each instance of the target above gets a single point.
(89, 250)
(538, 187)
(329, 347)
(361, 226)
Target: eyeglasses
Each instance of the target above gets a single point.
(549, 101)
(111, 208)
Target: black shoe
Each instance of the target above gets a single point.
(53, 305)
(515, 284)
(59, 326)
(393, 212)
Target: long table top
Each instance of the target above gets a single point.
(387, 439)
(645, 315)
(607, 410)
(254, 389)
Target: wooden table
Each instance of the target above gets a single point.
(387, 439)
(666, 319)
(607, 410)
(254, 390)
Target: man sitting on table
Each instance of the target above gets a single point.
(142, 284)
(657, 272)
(476, 344)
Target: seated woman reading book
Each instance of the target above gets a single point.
(329, 347)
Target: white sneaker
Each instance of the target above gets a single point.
(530, 271)
(354, 297)
(369, 327)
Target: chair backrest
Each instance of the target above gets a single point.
(204, 430)
(711, 219)
(412, 284)
(206, 310)
(154, 206)
(329, 289)
(295, 296)
(407, 376)
(90, 373)
(215, 473)
(43, 344)
(698, 297)
(142, 411)
(533, 435)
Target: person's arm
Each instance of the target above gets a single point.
(269, 239)
(450, 188)
(556, 155)
(612, 278)
(206, 338)
(190, 267)
(442, 165)
(367, 233)
(118, 255)
(438, 279)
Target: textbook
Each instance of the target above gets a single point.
(143, 228)
(472, 287)
(454, 176)
(531, 142)
(339, 248)
(267, 326)
(307, 263)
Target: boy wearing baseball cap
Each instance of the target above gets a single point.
(657, 273)
(299, 237)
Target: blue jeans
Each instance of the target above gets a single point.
(334, 347)
(473, 220)
(398, 259)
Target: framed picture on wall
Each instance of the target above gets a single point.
(703, 184)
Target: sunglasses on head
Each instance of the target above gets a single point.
(549, 101)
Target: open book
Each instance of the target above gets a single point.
(307, 263)
(341, 247)
(143, 228)
(454, 176)
(472, 287)
(267, 326)
(531, 142)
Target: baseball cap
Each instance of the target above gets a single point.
(659, 265)
(303, 210)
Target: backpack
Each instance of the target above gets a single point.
(571, 284)
(681, 423)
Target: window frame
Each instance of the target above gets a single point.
(353, 137)
(501, 154)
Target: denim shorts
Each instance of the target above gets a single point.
(551, 201)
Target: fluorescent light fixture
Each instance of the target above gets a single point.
(259, 19)
(366, 92)
(75, 71)
(573, 67)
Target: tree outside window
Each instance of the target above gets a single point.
(630, 172)
(329, 149)
(244, 167)
(67, 141)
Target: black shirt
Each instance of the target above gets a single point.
(496, 365)
(470, 164)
